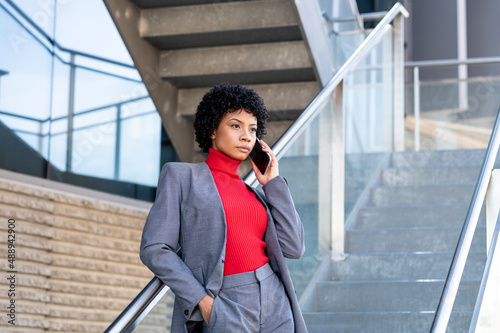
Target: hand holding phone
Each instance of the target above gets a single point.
(261, 158)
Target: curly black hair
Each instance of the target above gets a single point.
(220, 100)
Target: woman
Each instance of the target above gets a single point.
(231, 276)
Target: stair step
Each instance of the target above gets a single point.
(173, 3)
(404, 266)
(410, 240)
(284, 101)
(381, 322)
(429, 176)
(427, 158)
(245, 64)
(422, 195)
(414, 216)
(218, 24)
(390, 296)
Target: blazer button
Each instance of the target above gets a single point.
(222, 260)
(186, 312)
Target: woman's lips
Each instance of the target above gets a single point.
(244, 149)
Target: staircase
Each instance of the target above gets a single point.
(182, 48)
(401, 247)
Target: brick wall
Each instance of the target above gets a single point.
(76, 261)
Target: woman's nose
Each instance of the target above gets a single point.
(246, 136)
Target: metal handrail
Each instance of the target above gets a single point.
(452, 62)
(449, 294)
(314, 107)
(136, 99)
(135, 312)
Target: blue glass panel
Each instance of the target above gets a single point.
(94, 90)
(99, 117)
(58, 144)
(41, 13)
(60, 96)
(94, 151)
(136, 146)
(76, 29)
(25, 90)
(139, 107)
(59, 126)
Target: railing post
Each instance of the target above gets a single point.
(492, 205)
(118, 136)
(338, 173)
(40, 137)
(463, 90)
(416, 106)
(399, 84)
(71, 111)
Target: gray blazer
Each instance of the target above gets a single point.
(188, 212)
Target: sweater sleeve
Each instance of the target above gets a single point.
(160, 238)
(288, 224)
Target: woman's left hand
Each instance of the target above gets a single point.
(272, 171)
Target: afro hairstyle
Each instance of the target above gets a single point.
(220, 100)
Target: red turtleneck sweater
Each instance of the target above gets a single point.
(246, 217)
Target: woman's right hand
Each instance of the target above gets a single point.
(205, 305)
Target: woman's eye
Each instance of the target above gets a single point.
(254, 130)
(235, 126)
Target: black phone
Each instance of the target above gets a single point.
(261, 158)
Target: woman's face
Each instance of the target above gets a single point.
(236, 134)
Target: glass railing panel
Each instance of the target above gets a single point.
(454, 114)
(463, 286)
(94, 117)
(29, 65)
(58, 150)
(135, 146)
(345, 45)
(89, 87)
(140, 106)
(343, 29)
(93, 152)
(32, 131)
(116, 69)
(33, 140)
(468, 289)
(61, 87)
(369, 119)
(478, 298)
(485, 318)
(307, 166)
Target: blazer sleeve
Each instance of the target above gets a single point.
(288, 224)
(160, 238)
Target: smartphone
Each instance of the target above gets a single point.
(261, 159)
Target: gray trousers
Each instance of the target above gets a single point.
(251, 302)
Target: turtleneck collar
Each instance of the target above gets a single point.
(220, 161)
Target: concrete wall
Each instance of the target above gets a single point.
(432, 32)
(483, 26)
